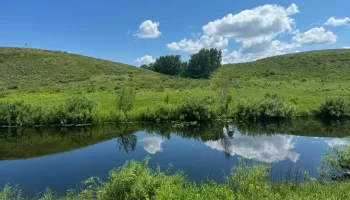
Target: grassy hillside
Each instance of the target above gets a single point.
(47, 78)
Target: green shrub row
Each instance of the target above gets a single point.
(271, 107)
(76, 110)
(189, 111)
(80, 110)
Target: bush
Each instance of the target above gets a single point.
(126, 99)
(334, 107)
(196, 110)
(20, 114)
(76, 110)
(271, 107)
(189, 111)
(336, 163)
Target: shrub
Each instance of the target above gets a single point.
(270, 107)
(189, 111)
(76, 110)
(336, 163)
(126, 99)
(20, 114)
(334, 107)
(196, 110)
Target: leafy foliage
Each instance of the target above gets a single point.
(19, 114)
(204, 63)
(169, 64)
(270, 107)
(76, 110)
(135, 180)
(334, 107)
(336, 163)
(126, 100)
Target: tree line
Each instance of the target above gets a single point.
(201, 65)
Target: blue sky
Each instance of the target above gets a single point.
(128, 30)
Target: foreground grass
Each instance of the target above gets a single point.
(135, 180)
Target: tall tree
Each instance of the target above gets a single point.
(170, 65)
(204, 63)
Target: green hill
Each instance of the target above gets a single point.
(321, 65)
(47, 78)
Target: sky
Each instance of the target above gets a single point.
(138, 32)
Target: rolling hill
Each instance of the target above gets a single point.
(48, 77)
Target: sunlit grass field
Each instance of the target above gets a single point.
(47, 78)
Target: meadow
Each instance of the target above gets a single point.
(46, 79)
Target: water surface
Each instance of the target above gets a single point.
(60, 158)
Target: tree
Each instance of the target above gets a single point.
(126, 100)
(170, 65)
(204, 63)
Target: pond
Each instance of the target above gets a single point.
(59, 158)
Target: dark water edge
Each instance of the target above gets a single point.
(61, 157)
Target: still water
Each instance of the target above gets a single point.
(59, 158)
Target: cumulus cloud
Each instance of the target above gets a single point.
(346, 47)
(315, 36)
(145, 60)
(267, 149)
(193, 46)
(261, 22)
(152, 144)
(332, 21)
(254, 49)
(148, 29)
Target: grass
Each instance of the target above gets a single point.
(48, 78)
(135, 180)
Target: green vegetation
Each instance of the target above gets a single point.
(170, 65)
(271, 107)
(42, 81)
(335, 107)
(203, 64)
(135, 180)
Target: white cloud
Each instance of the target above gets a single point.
(267, 149)
(346, 47)
(253, 49)
(148, 29)
(292, 9)
(145, 60)
(263, 22)
(261, 49)
(193, 46)
(152, 144)
(315, 36)
(332, 21)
